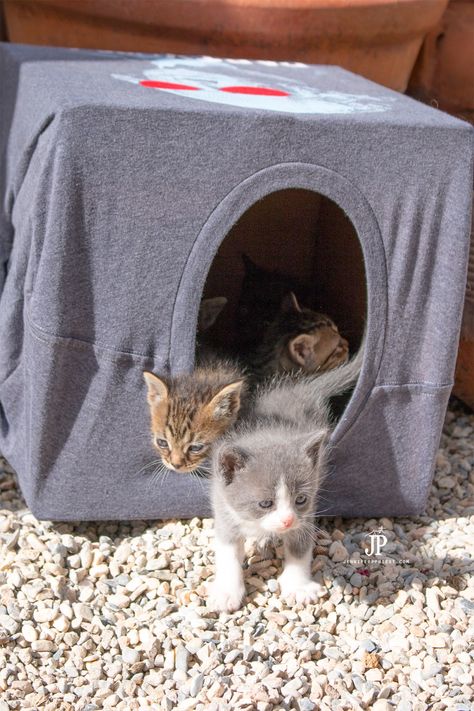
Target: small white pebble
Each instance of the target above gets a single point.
(437, 641)
(122, 553)
(432, 599)
(86, 558)
(45, 614)
(130, 656)
(61, 623)
(99, 571)
(119, 600)
(42, 645)
(374, 675)
(29, 633)
(382, 705)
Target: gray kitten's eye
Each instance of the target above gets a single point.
(268, 503)
(301, 499)
(196, 448)
(161, 443)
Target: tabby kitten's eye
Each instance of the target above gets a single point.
(196, 448)
(161, 443)
(268, 503)
(301, 499)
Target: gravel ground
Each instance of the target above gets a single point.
(113, 616)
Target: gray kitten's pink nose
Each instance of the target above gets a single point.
(288, 521)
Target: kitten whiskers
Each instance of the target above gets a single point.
(147, 466)
(196, 476)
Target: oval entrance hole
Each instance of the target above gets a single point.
(301, 235)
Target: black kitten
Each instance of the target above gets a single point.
(260, 298)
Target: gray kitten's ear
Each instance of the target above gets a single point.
(227, 401)
(290, 303)
(157, 388)
(314, 444)
(209, 310)
(230, 461)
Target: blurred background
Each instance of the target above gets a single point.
(424, 48)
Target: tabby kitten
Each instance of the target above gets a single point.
(190, 411)
(299, 340)
(265, 480)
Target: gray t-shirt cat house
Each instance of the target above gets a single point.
(130, 180)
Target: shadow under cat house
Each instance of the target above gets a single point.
(133, 186)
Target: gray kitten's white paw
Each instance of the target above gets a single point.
(223, 599)
(266, 546)
(302, 593)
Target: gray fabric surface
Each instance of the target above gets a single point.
(115, 198)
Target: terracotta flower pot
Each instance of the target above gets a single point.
(444, 71)
(444, 75)
(464, 381)
(379, 39)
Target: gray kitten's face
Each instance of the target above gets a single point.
(273, 488)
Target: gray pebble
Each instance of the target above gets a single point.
(196, 684)
(466, 605)
(181, 658)
(9, 624)
(367, 645)
(306, 705)
(272, 585)
(232, 656)
(356, 580)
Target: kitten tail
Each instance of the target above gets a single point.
(309, 397)
(337, 381)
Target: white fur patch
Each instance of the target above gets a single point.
(274, 522)
(226, 593)
(295, 581)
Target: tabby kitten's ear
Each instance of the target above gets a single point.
(301, 349)
(230, 461)
(290, 303)
(157, 388)
(314, 443)
(227, 401)
(209, 310)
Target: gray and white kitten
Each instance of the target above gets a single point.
(265, 479)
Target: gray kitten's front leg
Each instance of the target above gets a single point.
(296, 584)
(227, 591)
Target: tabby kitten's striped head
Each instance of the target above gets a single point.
(300, 339)
(190, 412)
